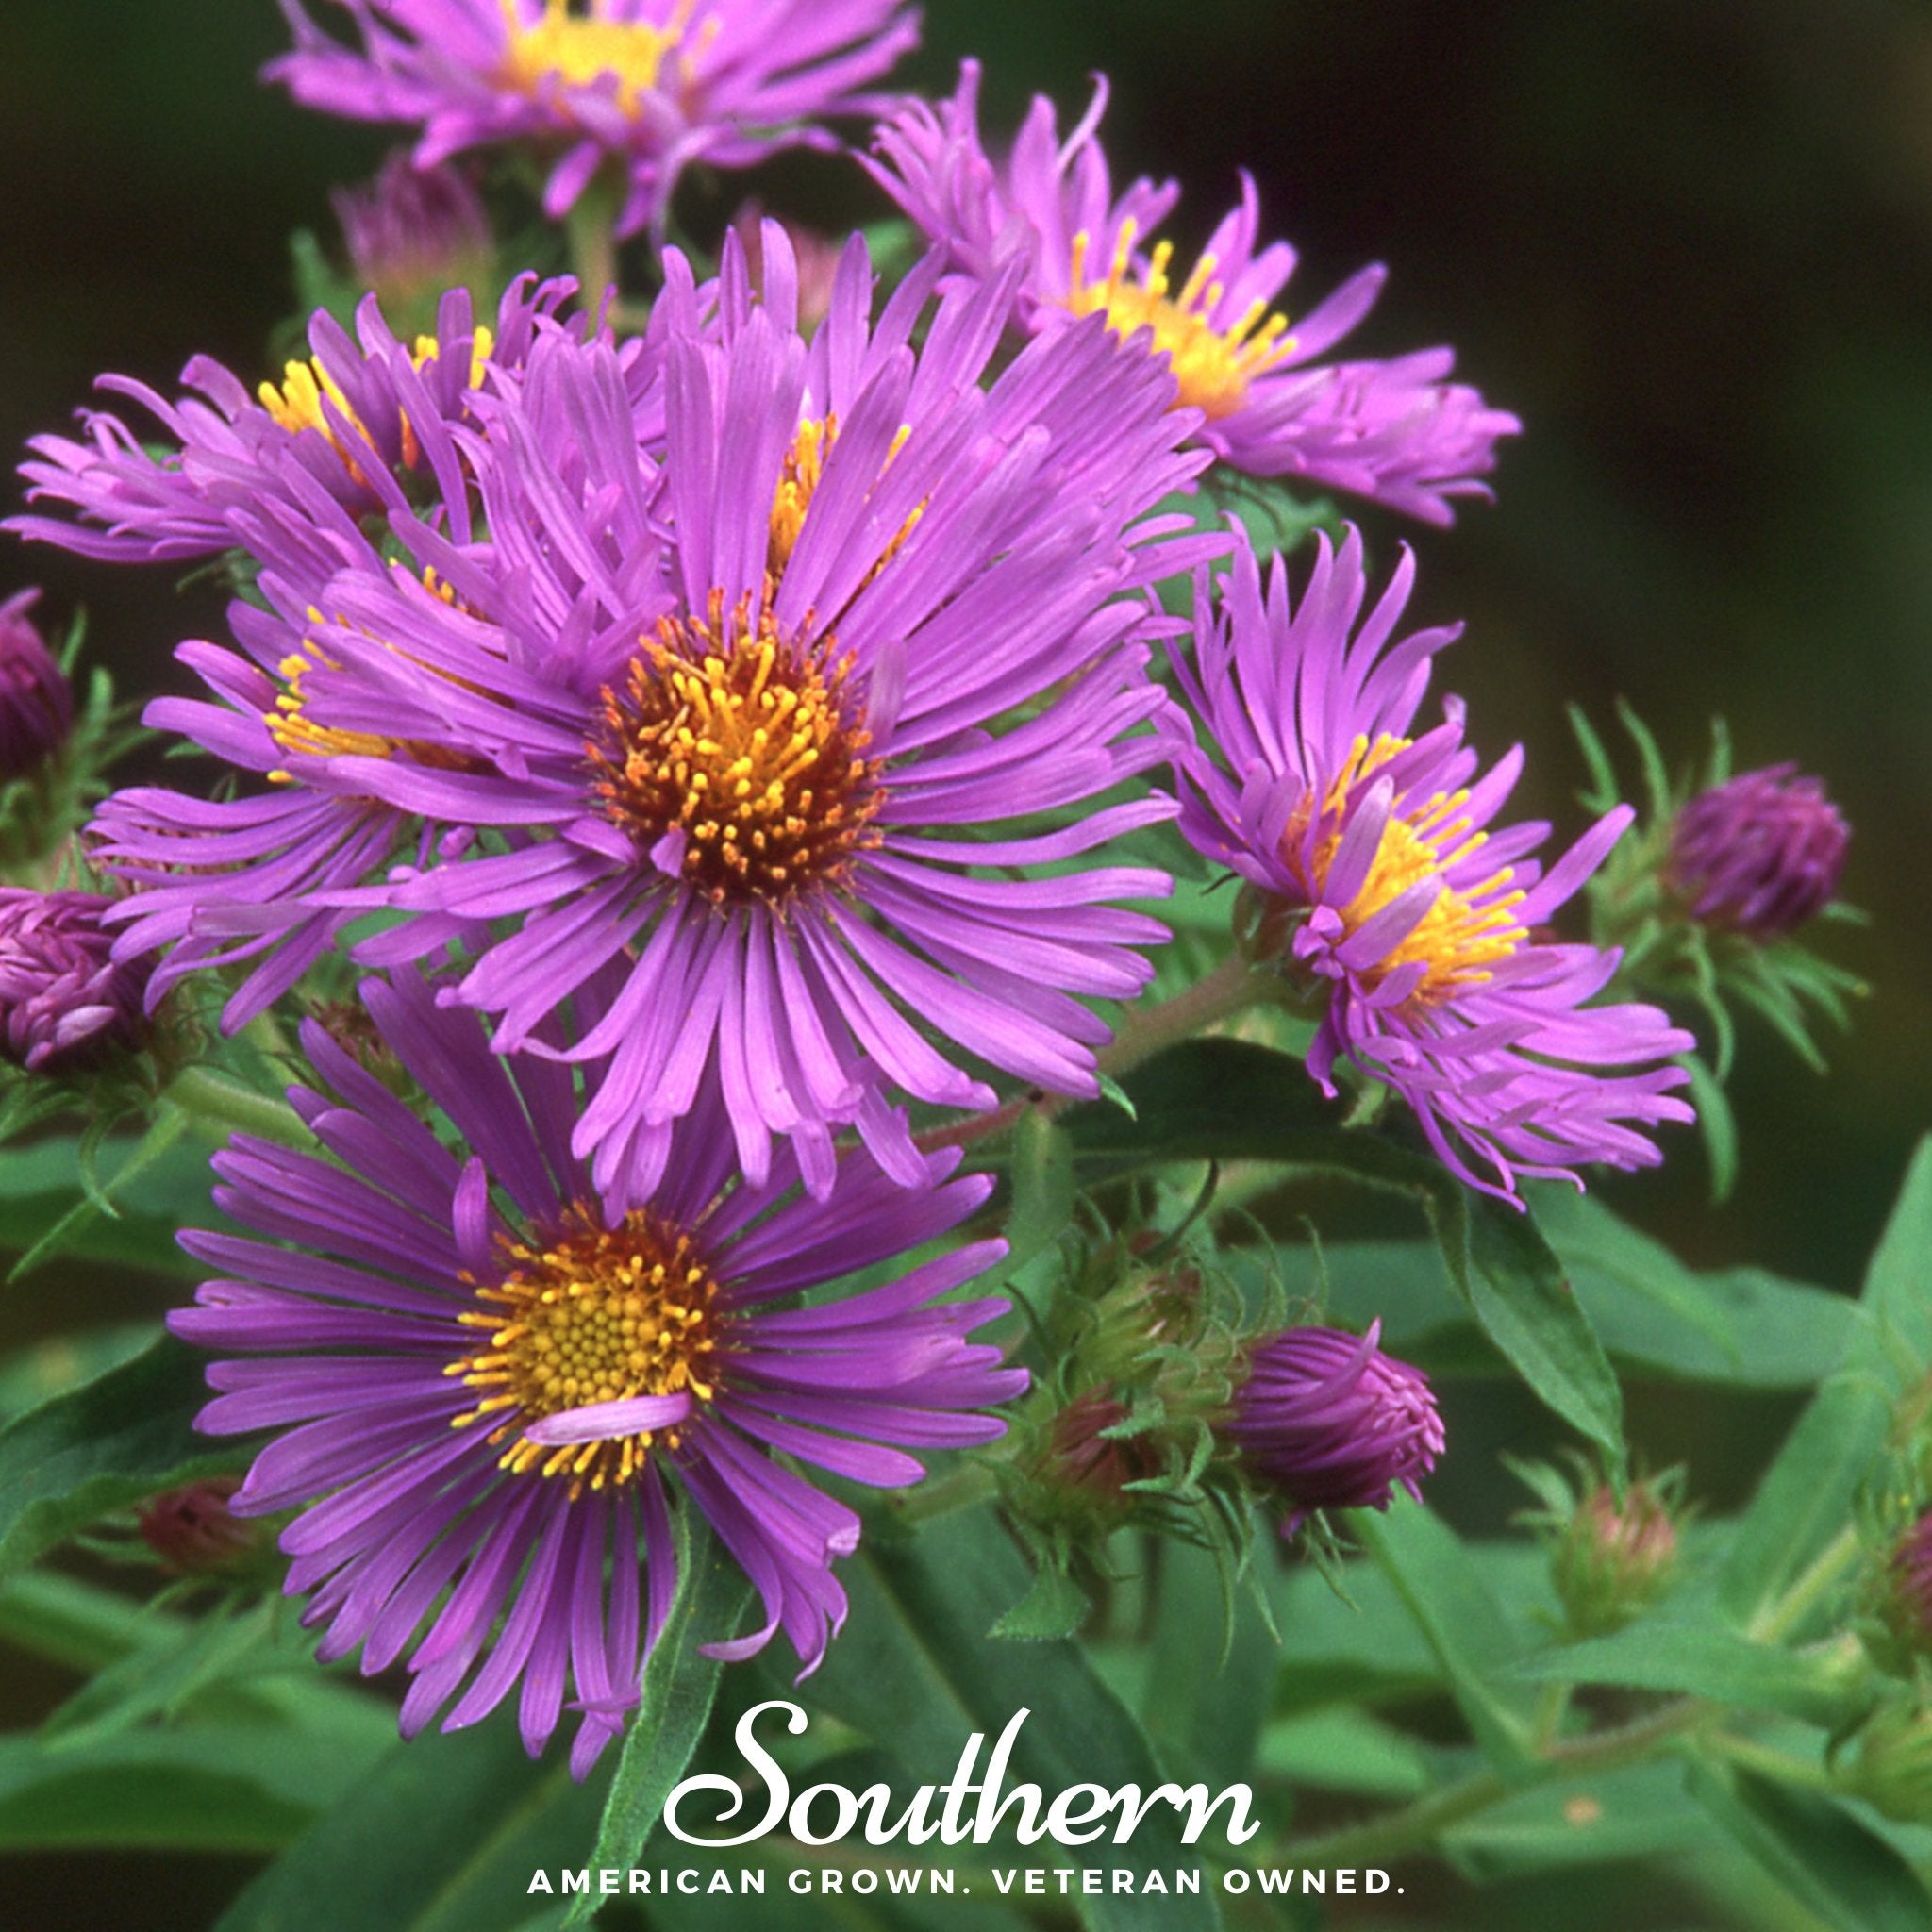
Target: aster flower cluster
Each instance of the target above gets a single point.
(700, 773)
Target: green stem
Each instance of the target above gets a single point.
(1778, 1620)
(1231, 987)
(1420, 1824)
(1785, 1766)
(219, 1107)
(589, 231)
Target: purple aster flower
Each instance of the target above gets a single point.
(64, 997)
(1761, 855)
(650, 85)
(35, 701)
(1396, 431)
(1373, 857)
(413, 232)
(491, 1386)
(363, 423)
(754, 714)
(1331, 1423)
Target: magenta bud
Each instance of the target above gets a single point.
(1761, 854)
(36, 702)
(1329, 1421)
(62, 995)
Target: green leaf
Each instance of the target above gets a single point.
(109, 1443)
(1054, 1605)
(1807, 1495)
(1636, 1811)
(1344, 1751)
(44, 1207)
(1717, 1124)
(1208, 1655)
(201, 1789)
(1229, 1099)
(100, 1204)
(1462, 1622)
(680, 1685)
(915, 1672)
(1708, 1660)
(1815, 1850)
(1662, 1319)
(442, 1838)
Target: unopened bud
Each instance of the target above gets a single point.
(64, 997)
(1612, 1559)
(1759, 855)
(36, 701)
(194, 1532)
(413, 232)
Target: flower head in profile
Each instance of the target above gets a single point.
(1375, 856)
(650, 85)
(359, 427)
(1327, 1421)
(491, 1388)
(412, 232)
(753, 713)
(36, 700)
(63, 996)
(1273, 403)
(1759, 855)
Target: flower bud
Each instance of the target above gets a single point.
(194, 1532)
(36, 702)
(1329, 1421)
(816, 254)
(1888, 1762)
(62, 995)
(1905, 1595)
(1082, 1457)
(413, 232)
(1759, 855)
(1610, 1561)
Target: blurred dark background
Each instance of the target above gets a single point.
(1690, 242)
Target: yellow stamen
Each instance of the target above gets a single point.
(296, 405)
(292, 729)
(1467, 930)
(798, 481)
(747, 744)
(566, 49)
(1212, 363)
(590, 1314)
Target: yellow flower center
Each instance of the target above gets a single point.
(595, 1314)
(566, 49)
(798, 481)
(1212, 365)
(749, 746)
(296, 402)
(1464, 932)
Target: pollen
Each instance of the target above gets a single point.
(798, 481)
(589, 1315)
(1467, 929)
(296, 402)
(1212, 363)
(567, 49)
(744, 748)
(295, 732)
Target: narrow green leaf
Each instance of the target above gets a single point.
(1815, 1850)
(1344, 1750)
(1708, 1660)
(1635, 1812)
(1898, 1282)
(101, 1201)
(1718, 1124)
(680, 1685)
(915, 1672)
(110, 1442)
(442, 1838)
(1200, 1706)
(1462, 1622)
(202, 1788)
